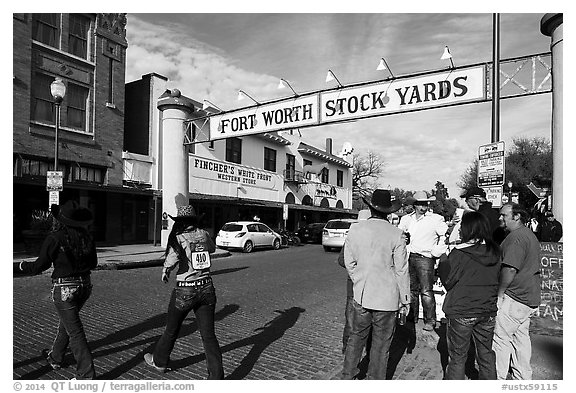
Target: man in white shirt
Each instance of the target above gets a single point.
(427, 233)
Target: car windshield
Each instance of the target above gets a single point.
(337, 225)
(232, 228)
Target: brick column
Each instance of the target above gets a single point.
(552, 25)
(174, 109)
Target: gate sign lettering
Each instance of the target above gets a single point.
(363, 100)
(491, 165)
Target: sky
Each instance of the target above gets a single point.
(212, 56)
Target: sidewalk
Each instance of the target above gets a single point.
(128, 256)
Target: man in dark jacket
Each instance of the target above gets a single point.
(476, 200)
(551, 229)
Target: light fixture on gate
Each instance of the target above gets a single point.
(447, 55)
(283, 83)
(207, 104)
(384, 66)
(242, 94)
(331, 77)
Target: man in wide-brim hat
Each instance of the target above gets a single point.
(376, 260)
(427, 233)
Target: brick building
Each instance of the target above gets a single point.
(88, 52)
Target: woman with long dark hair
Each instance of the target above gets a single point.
(188, 252)
(470, 275)
(71, 249)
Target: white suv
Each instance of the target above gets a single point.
(335, 231)
(247, 235)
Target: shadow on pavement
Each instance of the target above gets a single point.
(121, 336)
(225, 271)
(266, 335)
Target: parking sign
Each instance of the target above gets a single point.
(54, 181)
(491, 165)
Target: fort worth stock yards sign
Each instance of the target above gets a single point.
(355, 102)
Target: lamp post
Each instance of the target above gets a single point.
(58, 91)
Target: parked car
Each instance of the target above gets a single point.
(247, 235)
(311, 232)
(335, 231)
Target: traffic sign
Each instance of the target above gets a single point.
(494, 195)
(53, 198)
(54, 181)
(491, 165)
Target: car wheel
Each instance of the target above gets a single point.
(296, 240)
(248, 246)
(276, 244)
(326, 248)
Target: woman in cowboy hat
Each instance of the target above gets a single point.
(188, 252)
(71, 249)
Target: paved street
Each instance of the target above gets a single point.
(279, 316)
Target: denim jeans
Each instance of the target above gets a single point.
(202, 300)
(348, 314)
(512, 339)
(421, 281)
(458, 334)
(68, 299)
(383, 324)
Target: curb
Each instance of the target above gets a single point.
(145, 263)
(105, 265)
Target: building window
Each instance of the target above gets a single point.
(269, 159)
(42, 101)
(307, 175)
(234, 150)
(290, 167)
(24, 166)
(77, 97)
(339, 178)
(45, 29)
(78, 35)
(324, 175)
(86, 173)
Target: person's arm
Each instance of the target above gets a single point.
(507, 274)
(446, 272)
(170, 262)
(211, 246)
(349, 259)
(400, 262)
(47, 255)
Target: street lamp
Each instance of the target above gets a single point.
(58, 91)
(510, 190)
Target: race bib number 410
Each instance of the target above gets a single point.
(200, 260)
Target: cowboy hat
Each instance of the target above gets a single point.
(382, 201)
(474, 192)
(419, 196)
(72, 214)
(185, 213)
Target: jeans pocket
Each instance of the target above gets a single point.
(69, 292)
(519, 311)
(184, 300)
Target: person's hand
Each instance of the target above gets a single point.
(165, 275)
(405, 308)
(499, 301)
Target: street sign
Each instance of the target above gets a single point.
(491, 165)
(285, 212)
(494, 195)
(54, 181)
(53, 198)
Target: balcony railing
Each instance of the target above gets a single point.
(294, 176)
